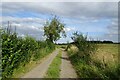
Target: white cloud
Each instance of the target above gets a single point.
(74, 10)
(25, 26)
(33, 27)
(67, 29)
(16, 24)
(113, 27)
(22, 20)
(112, 33)
(21, 35)
(95, 20)
(60, 0)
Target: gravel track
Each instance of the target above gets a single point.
(67, 70)
(40, 70)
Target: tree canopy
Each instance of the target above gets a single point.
(53, 29)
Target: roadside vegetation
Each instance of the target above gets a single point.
(53, 29)
(92, 60)
(19, 52)
(54, 68)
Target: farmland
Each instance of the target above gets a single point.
(90, 60)
(108, 53)
(60, 39)
(103, 63)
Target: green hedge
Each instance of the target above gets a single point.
(17, 51)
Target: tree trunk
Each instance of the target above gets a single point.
(51, 38)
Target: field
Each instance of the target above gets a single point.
(90, 60)
(107, 53)
(103, 62)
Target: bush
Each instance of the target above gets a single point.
(17, 51)
(85, 47)
(94, 70)
(87, 67)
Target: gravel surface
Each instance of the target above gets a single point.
(40, 70)
(67, 70)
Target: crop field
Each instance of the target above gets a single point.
(52, 40)
(107, 53)
(103, 62)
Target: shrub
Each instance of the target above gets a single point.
(87, 67)
(85, 47)
(17, 51)
(94, 70)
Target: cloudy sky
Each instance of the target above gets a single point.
(99, 20)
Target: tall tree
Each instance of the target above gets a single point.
(53, 29)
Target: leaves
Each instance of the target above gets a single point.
(18, 51)
(53, 29)
(85, 47)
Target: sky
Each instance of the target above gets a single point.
(97, 20)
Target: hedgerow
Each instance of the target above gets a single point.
(18, 51)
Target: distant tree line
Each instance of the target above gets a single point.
(101, 41)
(105, 41)
(98, 42)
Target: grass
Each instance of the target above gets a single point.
(19, 72)
(54, 68)
(61, 46)
(100, 67)
(107, 53)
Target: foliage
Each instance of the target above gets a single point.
(85, 65)
(68, 46)
(85, 47)
(17, 51)
(53, 29)
(94, 70)
(54, 68)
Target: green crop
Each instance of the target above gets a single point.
(17, 51)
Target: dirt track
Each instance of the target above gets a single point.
(40, 70)
(67, 70)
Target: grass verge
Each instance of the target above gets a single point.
(22, 70)
(97, 69)
(54, 68)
